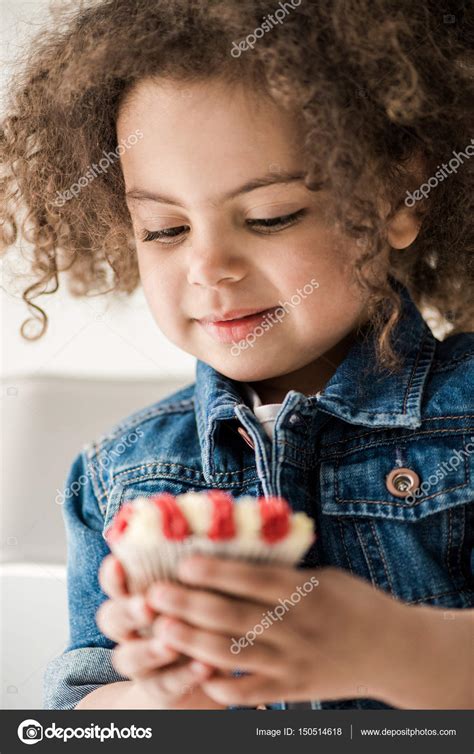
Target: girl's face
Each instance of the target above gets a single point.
(225, 227)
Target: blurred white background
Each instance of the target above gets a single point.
(90, 337)
(98, 336)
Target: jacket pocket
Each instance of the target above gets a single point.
(420, 546)
(150, 480)
(356, 483)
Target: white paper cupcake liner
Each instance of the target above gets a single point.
(146, 563)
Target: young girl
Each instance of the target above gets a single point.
(291, 184)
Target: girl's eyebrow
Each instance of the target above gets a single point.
(270, 179)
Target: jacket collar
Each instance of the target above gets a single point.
(358, 392)
(361, 393)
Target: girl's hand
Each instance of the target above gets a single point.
(301, 634)
(169, 679)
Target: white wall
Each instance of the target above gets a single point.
(99, 336)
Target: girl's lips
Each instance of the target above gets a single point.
(233, 330)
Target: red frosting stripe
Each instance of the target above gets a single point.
(222, 524)
(175, 525)
(120, 523)
(275, 516)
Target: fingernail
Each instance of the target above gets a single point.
(197, 668)
(159, 592)
(137, 607)
(189, 568)
(185, 569)
(159, 649)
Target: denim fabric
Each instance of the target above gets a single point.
(330, 457)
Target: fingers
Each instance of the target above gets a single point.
(121, 618)
(112, 577)
(262, 583)
(247, 690)
(161, 672)
(172, 684)
(140, 656)
(217, 650)
(203, 609)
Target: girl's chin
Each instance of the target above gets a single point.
(247, 368)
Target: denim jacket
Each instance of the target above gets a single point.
(333, 455)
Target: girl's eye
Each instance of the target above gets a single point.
(163, 236)
(274, 224)
(265, 225)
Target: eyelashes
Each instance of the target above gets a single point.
(162, 235)
(264, 226)
(284, 221)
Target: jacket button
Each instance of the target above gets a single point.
(246, 437)
(402, 482)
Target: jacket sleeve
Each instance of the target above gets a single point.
(86, 663)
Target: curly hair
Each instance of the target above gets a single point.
(378, 83)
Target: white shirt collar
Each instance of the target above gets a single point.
(265, 412)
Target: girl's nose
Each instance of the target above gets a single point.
(212, 264)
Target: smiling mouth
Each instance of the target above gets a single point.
(231, 330)
(244, 318)
(234, 316)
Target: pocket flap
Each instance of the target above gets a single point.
(354, 483)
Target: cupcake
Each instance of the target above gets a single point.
(151, 535)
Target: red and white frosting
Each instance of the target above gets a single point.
(213, 514)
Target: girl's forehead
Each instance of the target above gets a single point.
(200, 104)
(206, 131)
